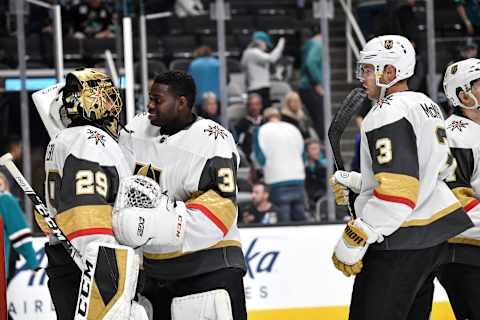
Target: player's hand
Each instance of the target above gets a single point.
(319, 90)
(469, 26)
(340, 181)
(352, 246)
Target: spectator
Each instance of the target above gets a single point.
(13, 146)
(368, 12)
(256, 63)
(292, 113)
(278, 150)
(399, 18)
(184, 8)
(92, 19)
(209, 108)
(310, 87)
(204, 70)
(246, 127)
(15, 229)
(262, 210)
(315, 172)
(469, 12)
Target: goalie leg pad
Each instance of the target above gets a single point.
(108, 283)
(210, 305)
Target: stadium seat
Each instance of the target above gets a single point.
(179, 45)
(96, 47)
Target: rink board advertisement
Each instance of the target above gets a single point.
(290, 276)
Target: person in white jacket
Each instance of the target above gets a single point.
(256, 63)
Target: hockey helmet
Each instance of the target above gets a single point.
(388, 50)
(90, 95)
(460, 76)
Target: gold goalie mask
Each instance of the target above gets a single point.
(90, 95)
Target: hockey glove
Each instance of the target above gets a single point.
(352, 246)
(163, 225)
(341, 181)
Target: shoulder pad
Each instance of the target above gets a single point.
(140, 127)
(211, 139)
(462, 132)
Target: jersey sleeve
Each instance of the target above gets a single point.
(393, 150)
(212, 211)
(17, 230)
(84, 193)
(460, 183)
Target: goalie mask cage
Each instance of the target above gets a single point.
(3, 278)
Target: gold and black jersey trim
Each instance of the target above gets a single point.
(176, 254)
(465, 167)
(195, 263)
(425, 233)
(219, 210)
(397, 188)
(86, 220)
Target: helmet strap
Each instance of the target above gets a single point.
(475, 106)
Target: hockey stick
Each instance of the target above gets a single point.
(340, 121)
(6, 160)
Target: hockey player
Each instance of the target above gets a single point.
(405, 212)
(193, 259)
(461, 277)
(83, 165)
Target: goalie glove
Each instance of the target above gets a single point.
(352, 246)
(341, 181)
(162, 225)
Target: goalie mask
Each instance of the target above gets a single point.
(387, 50)
(460, 76)
(90, 95)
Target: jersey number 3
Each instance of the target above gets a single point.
(384, 150)
(88, 182)
(227, 183)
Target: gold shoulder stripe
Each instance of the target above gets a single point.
(79, 220)
(464, 194)
(463, 240)
(440, 214)
(221, 211)
(397, 187)
(41, 223)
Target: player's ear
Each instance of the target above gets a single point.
(465, 98)
(389, 73)
(182, 103)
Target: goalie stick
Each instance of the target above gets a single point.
(340, 121)
(7, 161)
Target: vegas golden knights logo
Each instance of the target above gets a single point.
(388, 44)
(454, 69)
(148, 171)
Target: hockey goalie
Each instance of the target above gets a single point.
(84, 166)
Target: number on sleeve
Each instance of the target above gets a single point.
(227, 183)
(384, 149)
(88, 183)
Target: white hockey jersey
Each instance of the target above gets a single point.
(83, 166)
(404, 157)
(463, 137)
(197, 165)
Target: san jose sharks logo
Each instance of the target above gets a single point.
(98, 137)
(216, 131)
(457, 124)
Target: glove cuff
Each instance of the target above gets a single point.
(371, 234)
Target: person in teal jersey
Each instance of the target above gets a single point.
(468, 10)
(310, 86)
(17, 235)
